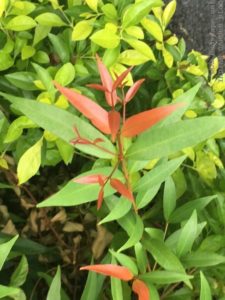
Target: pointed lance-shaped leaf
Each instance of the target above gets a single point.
(144, 120)
(90, 179)
(122, 189)
(133, 90)
(141, 289)
(121, 78)
(119, 272)
(100, 198)
(98, 87)
(107, 82)
(114, 123)
(94, 112)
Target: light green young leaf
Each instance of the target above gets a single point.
(5, 250)
(27, 52)
(40, 33)
(116, 286)
(168, 57)
(82, 30)
(205, 288)
(22, 8)
(21, 23)
(109, 11)
(135, 236)
(164, 277)
(9, 291)
(169, 12)
(153, 28)
(136, 12)
(54, 292)
(66, 74)
(50, 19)
(105, 39)
(132, 58)
(160, 142)
(169, 198)
(141, 47)
(93, 4)
(135, 31)
(6, 61)
(141, 257)
(187, 235)
(29, 162)
(66, 151)
(20, 274)
(125, 261)
(3, 5)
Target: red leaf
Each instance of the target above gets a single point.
(90, 179)
(94, 112)
(133, 90)
(107, 82)
(100, 198)
(141, 289)
(98, 87)
(121, 78)
(122, 189)
(114, 123)
(143, 121)
(119, 272)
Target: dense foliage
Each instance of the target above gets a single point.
(144, 137)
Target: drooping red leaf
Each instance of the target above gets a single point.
(114, 123)
(141, 289)
(100, 198)
(119, 272)
(94, 178)
(94, 112)
(144, 120)
(121, 78)
(122, 189)
(107, 82)
(133, 90)
(98, 87)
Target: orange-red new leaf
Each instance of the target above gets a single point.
(119, 272)
(133, 90)
(98, 87)
(144, 120)
(141, 289)
(114, 123)
(100, 198)
(94, 112)
(90, 179)
(107, 82)
(122, 189)
(121, 78)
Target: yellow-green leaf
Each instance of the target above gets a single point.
(118, 69)
(109, 11)
(169, 12)
(22, 8)
(6, 61)
(141, 47)
(3, 4)
(3, 163)
(135, 31)
(153, 28)
(27, 52)
(173, 40)
(168, 58)
(21, 23)
(195, 70)
(82, 30)
(132, 58)
(93, 4)
(105, 39)
(218, 102)
(215, 66)
(50, 19)
(65, 74)
(29, 162)
(219, 86)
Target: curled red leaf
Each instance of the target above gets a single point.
(94, 112)
(133, 90)
(114, 123)
(141, 289)
(119, 272)
(144, 120)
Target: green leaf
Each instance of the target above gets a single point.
(82, 30)
(66, 74)
(16, 128)
(132, 58)
(136, 12)
(164, 277)
(22, 80)
(9, 291)
(169, 12)
(158, 174)
(200, 259)
(89, 291)
(120, 208)
(205, 288)
(5, 250)
(66, 151)
(169, 198)
(187, 235)
(20, 274)
(75, 194)
(22, 8)
(105, 39)
(61, 123)
(125, 261)
(141, 257)
(41, 57)
(159, 142)
(50, 19)
(55, 288)
(27, 52)
(153, 28)
(60, 47)
(40, 33)
(93, 4)
(6, 61)
(135, 31)
(141, 47)
(145, 197)
(29, 162)
(109, 11)
(21, 23)
(168, 57)
(135, 236)
(116, 286)
(184, 212)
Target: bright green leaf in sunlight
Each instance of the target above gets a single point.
(54, 292)
(106, 39)
(50, 19)
(169, 12)
(66, 74)
(29, 162)
(141, 47)
(82, 30)
(3, 4)
(21, 23)
(12, 292)
(93, 4)
(5, 250)
(6, 61)
(153, 28)
(205, 288)
(132, 58)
